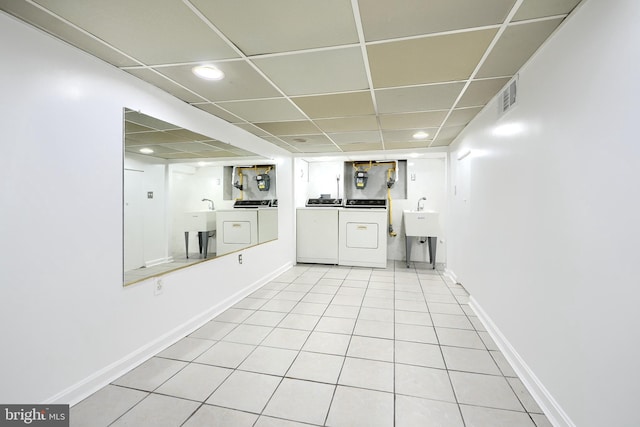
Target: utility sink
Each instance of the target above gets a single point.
(200, 221)
(421, 223)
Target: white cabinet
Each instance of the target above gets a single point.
(317, 235)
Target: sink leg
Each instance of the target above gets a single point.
(186, 243)
(408, 249)
(204, 239)
(432, 243)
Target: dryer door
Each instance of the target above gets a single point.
(362, 235)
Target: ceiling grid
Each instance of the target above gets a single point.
(315, 77)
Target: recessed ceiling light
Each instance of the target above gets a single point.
(420, 135)
(146, 150)
(208, 72)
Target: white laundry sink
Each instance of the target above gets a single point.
(421, 223)
(200, 221)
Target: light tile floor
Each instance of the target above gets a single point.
(327, 346)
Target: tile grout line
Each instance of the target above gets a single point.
(324, 315)
(344, 360)
(453, 390)
(300, 350)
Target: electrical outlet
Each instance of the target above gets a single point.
(240, 259)
(159, 287)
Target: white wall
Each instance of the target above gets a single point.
(67, 324)
(323, 179)
(301, 182)
(153, 224)
(552, 225)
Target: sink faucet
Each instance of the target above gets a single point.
(210, 203)
(419, 200)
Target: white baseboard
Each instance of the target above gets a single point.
(110, 373)
(556, 415)
(450, 275)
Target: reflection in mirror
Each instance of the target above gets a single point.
(189, 198)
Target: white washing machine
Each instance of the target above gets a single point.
(317, 235)
(362, 237)
(236, 229)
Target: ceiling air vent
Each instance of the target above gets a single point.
(508, 96)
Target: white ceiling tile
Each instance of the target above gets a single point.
(462, 116)
(427, 60)
(188, 136)
(412, 120)
(480, 92)
(531, 9)
(140, 29)
(336, 105)
(348, 124)
(406, 145)
(241, 82)
(298, 140)
(302, 127)
(157, 149)
(442, 142)
(449, 132)
(282, 25)
(325, 148)
(389, 19)
(189, 146)
(369, 146)
(66, 32)
(263, 110)
(165, 84)
(355, 137)
(305, 62)
(418, 98)
(317, 72)
(515, 47)
(147, 121)
(405, 135)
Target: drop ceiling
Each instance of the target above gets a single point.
(167, 141)
(314, 76)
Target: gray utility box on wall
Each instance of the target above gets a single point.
(376, 179)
